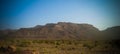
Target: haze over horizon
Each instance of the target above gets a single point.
(29, 13)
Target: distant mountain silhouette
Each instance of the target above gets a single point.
(61, 30)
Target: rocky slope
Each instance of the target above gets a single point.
(61, 30)
(112, 33)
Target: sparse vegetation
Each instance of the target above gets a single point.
(23, 46)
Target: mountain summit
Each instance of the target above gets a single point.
(60, 30)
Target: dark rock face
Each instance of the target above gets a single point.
(61, 30)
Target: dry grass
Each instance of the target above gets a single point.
(60, 46)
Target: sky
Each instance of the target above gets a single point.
(15, 14)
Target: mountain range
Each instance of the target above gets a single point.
(62, 30)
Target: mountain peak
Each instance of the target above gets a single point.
(60, 30)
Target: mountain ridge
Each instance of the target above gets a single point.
(60, 30)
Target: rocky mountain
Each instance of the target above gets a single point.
(60, 30)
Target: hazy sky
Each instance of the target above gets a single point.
(28, 13)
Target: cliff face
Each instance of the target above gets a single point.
(61, 30)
